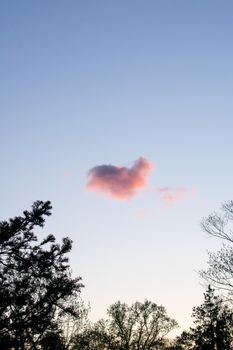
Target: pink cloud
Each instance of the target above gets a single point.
(175, 194)
(120, 182)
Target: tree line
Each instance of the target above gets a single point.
(41, 306)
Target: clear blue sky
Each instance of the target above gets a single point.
(85, 83)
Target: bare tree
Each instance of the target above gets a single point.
(220, 224)
(141, 326)
(220, 270)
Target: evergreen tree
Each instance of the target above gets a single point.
(35, 279)
(213, 326)
(213, 320)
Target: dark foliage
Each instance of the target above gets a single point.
(35, 278)
(52, 340)
(95, 337)
(213, 326)
(214, 322)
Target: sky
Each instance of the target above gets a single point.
(120, 113)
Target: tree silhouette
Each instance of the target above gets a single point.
(70, 324)
(220, 271)
(95, 337)
(141, 326)
(213, 322)
(52, 340)
(213, 326)
(35, 279)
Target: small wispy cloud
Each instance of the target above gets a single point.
(120, 182)
(175, 194)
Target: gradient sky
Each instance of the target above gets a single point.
(91, 83)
